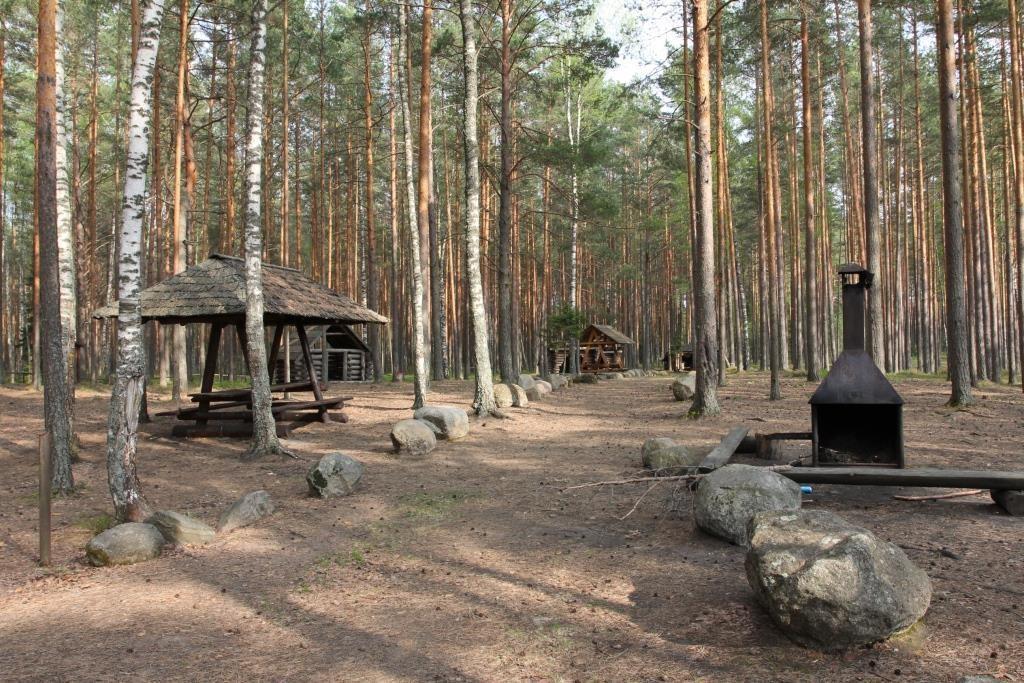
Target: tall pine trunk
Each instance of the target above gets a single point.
(705, 399)
(952, 190)
(506, 351)
(869, 136)
(810, 241)
(126, 396)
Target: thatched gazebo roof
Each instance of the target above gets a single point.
(214, 291)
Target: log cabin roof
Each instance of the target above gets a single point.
(214, 290)
(609, 332)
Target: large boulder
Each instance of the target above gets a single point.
(558, 382)
(585, 378)
(612, 375)
(181, 529)
(448, 422)
(534, 393)
(729, 497)
(684, 386)
(413, 437)
(336, 474)
(519, 397)
(829, 584)
(526, 382)
(125, 544)
(544, 387)
(503, 396)
(246, 510)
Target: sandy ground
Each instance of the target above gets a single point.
(474, 565)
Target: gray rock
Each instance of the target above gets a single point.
(829, 584)
(125, 544)
(1011, 501)
(246, 510)
(502, 396)
(181, 529)
(673, 460)
(413, 437)
(544, 387)
(448, 422)
(653, 445)
(335, 475)
(728, 498)
(611, 375)
(585, 379)
(534, 393)
(526, 382)
(558, 382)
(684, 386)
(519, 397)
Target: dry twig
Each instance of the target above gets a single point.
(941, 496)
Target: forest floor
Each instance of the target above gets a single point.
(474, 565)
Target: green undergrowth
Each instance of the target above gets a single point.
(432, 505)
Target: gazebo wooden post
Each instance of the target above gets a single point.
(243, 341)
(308, 356)
(275, 346)
(209, 369)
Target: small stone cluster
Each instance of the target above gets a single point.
(134, 542)
(417, 436)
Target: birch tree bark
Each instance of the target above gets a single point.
(126, 395)
(48, 132)
(419, 342)
(483, 402)
(65, 252)
(705, 398)
(264, 432)
(953, 212)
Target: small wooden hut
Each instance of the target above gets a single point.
(213, 292)
(602, 349)
(338, 348)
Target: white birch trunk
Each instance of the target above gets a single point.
(128, 381)
(264, 432)
(484, 401)
(419, 343)
(65, 239)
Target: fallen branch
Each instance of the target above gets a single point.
(941, 496)
(637, 503)
(638, 480)
(642, 480)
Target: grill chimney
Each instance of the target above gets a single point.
(856, 414)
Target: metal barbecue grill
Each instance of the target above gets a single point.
(856, 414)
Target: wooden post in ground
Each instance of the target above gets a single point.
(45, 492)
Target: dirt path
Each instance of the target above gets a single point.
(472, 564)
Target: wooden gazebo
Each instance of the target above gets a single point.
(213, 292)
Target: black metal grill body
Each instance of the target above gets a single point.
(856, 414)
